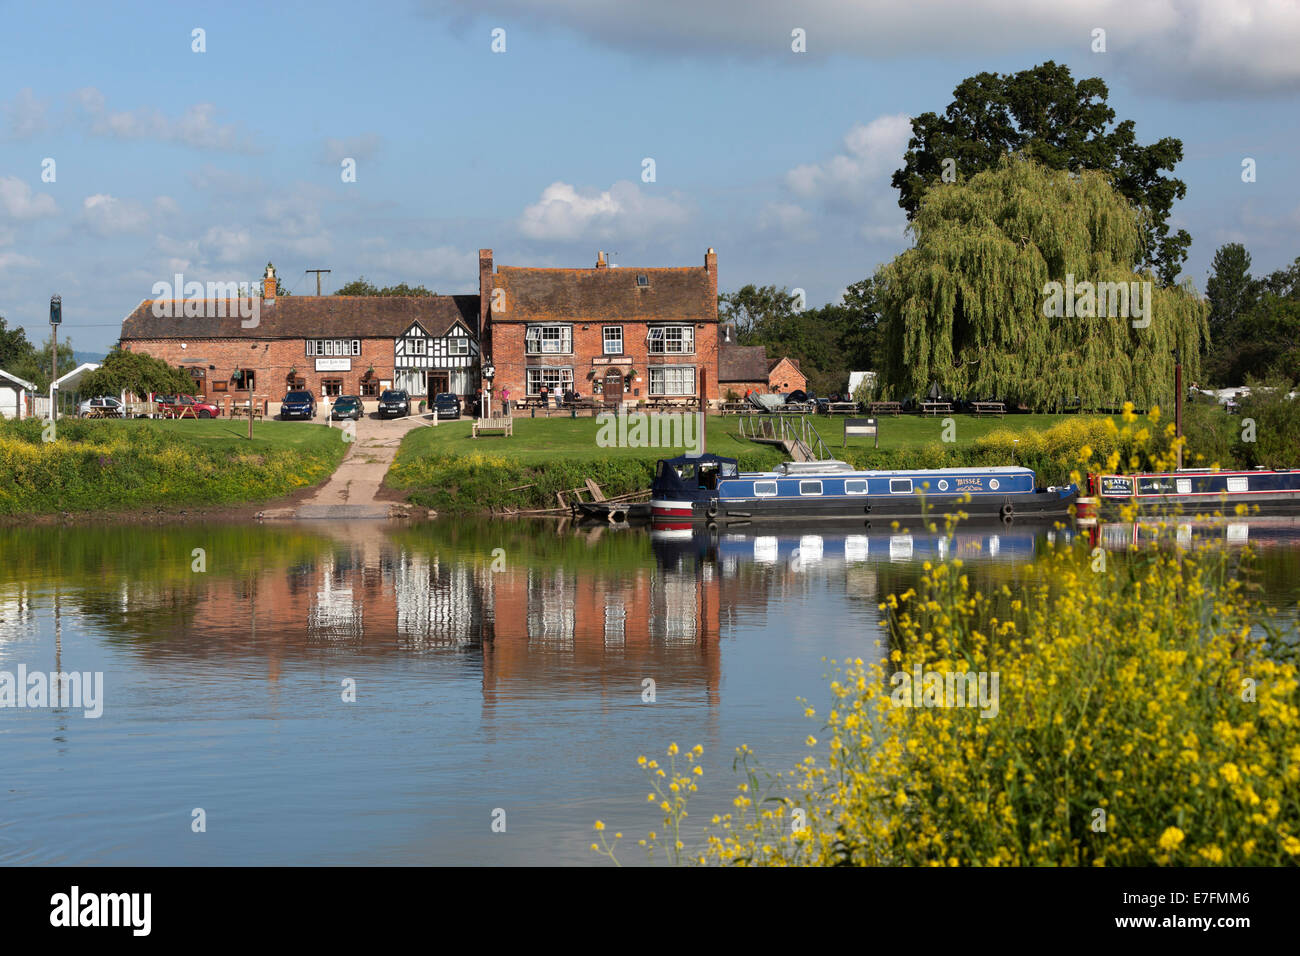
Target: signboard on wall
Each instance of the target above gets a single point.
(334, 365)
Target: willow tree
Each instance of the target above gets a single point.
(972, 307)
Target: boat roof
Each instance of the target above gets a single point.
(840, 468)
(697, 459)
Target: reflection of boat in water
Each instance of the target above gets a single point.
(1258, 531)
(1200, 489)
(712, 489)
(774, 546)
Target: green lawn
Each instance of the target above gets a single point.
(231, 435)
(537, 440)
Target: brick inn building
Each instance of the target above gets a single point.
(617, 334)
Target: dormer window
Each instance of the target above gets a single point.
(643, 280)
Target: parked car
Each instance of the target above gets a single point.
(347, 406)
(394, 403)
(298, 404)
(176, 406)
(446, 405)
(103, 404)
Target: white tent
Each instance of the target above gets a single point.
(857, 378)
(13, 392)
(67, 382)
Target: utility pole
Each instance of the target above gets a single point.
(56, 319)
(318, 272)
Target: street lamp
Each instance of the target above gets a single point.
(1178, 404)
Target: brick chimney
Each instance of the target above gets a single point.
(711, 267)
(600, 260)
(268, 284)
(484, 297)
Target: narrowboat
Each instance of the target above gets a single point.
(1200, 489)
(712, 489)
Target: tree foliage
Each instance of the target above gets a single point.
(362, 286)
(965, 307)
(123, 371)
(1061, 124)
(1254, 323)
(828, 342)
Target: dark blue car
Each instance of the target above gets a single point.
(298, 405)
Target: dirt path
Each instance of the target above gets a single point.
(353, 490)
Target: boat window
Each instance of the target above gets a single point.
(1238, 484)
(728, 469)
(686, 472)
(708, 476)
(855, 486)
(764, 489)
(900, 486)
(810, 487)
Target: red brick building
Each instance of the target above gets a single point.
(614, 333)
(331, 345)
(746, 368)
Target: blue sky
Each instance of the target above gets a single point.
(211, 164)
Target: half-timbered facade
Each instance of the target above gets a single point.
(430, 363)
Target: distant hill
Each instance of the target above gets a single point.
(88, 356)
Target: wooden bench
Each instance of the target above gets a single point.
(504, 424)
(989, 408)
(936, 408)
(894, 408)
(842, 408)
(860, 426)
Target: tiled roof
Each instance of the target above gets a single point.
(604, 294)
(741, 363)
(293, 317)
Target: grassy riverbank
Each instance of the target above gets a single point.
(443, 468)
(110, 466)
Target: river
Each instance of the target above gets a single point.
(500, 674)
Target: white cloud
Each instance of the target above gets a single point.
(439, 268)
(871, 154)
(197, 126)
(1189, 47)
(107, 215)
(361, 148)
(788, 219)
(565, 212)
(26, 114)
(16, 260)
(225, 245)
(19, 202)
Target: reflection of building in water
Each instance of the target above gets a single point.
(438, 603)
(557, 630)
(16, 614)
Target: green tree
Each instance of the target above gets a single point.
(15, 349)
(968, 307)
(1230, 290)
(363, 287)
(123, 371)
(35, 367)
(1061, 124)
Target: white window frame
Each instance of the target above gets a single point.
(535, 376)
(659, 342)
(458, 345)
(538, 340)
(605, 339)
(900, 491)
(809, 482)
(330, 347)
(417, 345)
(850, 490)
(661, 388)
(761, 489)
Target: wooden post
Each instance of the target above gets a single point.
(704, 405)
(1178, 406)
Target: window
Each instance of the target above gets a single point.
(549, 339)
(244, 379)
(900, 486)
(458, 345)
(416, 346)
(613, 336)
(554, 380)
(810, 487)
(672, 380)
(643, 280)
(671, 339)
(370, 388)
(855, 486)
(332, 386)
(329, 347)
(764, 489)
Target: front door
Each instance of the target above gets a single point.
(438, 383)
(612, 388)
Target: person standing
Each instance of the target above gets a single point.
(505, 401)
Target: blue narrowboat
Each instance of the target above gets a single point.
(711, 488)
(1200, 489)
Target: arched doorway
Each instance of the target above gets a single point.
(612, 387)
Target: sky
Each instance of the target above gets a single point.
(128, 156)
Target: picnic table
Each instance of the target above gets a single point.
(842, 408)
(894, 408)
(237, 410)
(104, 413)
(989, 408)
(936, 408)
(737, 408)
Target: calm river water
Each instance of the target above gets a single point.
(497, 667)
